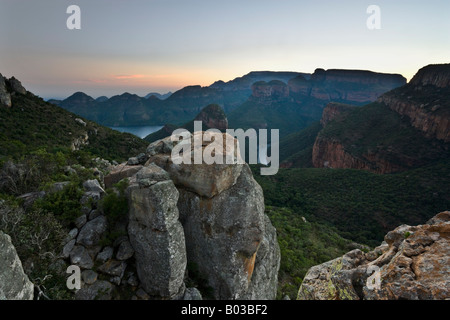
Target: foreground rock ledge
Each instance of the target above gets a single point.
(210, 216)
(14, 283)
(413, 264)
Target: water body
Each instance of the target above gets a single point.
(140, 131)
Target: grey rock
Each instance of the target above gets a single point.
(204, 179)
(125, 251)
(142, 158)
(80, 121)
(80, 221)
(93, 186)
(80, 256)
(133, 161)
(224, 236)
(105, 255)
(157, 236)
(86, 210)
(99, 290)
(264, 281)
(192, 294)
(115, 280)
(89, 276)
(92, 232)
(142, 295)
(71, 235)
(69, 170)
(14, 283)
(132, 280)
(68, 248)
(120, 172)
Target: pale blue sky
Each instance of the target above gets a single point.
(160, 45)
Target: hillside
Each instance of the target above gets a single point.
(212, 117)
(177, 108)
(31, 124)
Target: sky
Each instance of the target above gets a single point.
(139, 46)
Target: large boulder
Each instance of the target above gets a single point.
(412, 263)
(156, 234)
(205, 180)
(16, 86)
(230, 240)
(120, 172)
(208, 214)
(14, 283)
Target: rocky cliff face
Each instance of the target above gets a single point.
(425, 101)
(9, 87)
(329, 153)
(270, 91)
(437, 75)
(351, 86)
(377, 141)
(412, 263)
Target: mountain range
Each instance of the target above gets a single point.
(288, 101)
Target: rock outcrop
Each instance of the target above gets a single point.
(9, 87)
(412, 263)
(382, 137)
(213, 116)
(205, 180)
(14, 283)
(156, 234)
(210, 216)
(5, 97)
(437, 75)
(332, 111)
(330, 153)
(425, 101)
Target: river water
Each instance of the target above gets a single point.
(141, 131)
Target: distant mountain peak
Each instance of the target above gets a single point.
(80, 95)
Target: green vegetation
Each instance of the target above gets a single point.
(114, 205)
(296, 148)
(212, 111)
(361, 205)
(303, 244)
